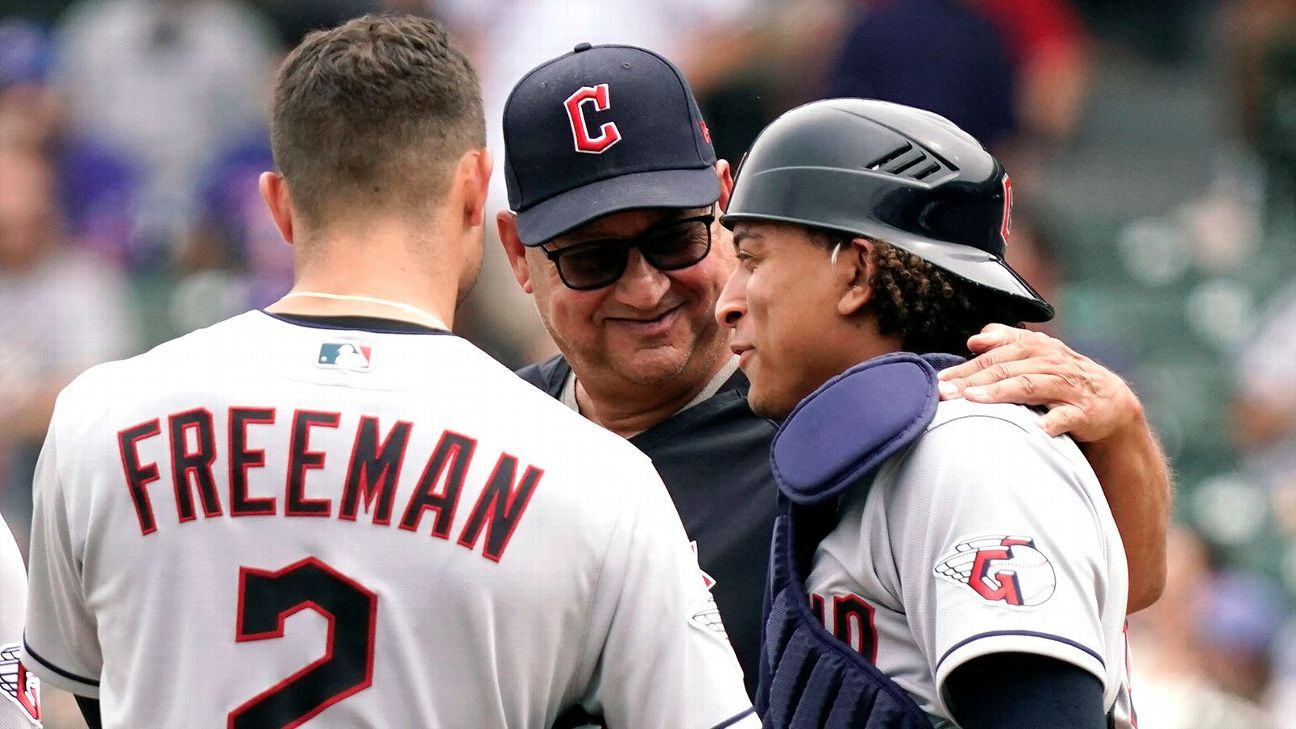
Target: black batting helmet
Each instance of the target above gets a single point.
(893, 173)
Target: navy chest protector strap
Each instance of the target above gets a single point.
(835, 440)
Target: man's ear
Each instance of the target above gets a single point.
(513, 248)
(274, 191)
(473, 174)
(725, 173)
(854, 268)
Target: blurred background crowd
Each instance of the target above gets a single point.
(1152, 146)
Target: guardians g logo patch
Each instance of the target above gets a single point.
(1001, 569)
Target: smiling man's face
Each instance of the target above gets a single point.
(648, 327)
(782, 304)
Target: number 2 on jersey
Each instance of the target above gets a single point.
(266, 600)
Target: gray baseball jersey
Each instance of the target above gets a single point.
(986, 536)
(267, 524)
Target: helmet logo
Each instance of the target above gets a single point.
(1007, 211)
(608, 134)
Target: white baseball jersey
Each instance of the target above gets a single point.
(19, 690)
(269, 524)
(986, 536)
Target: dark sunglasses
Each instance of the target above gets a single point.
(670, 246)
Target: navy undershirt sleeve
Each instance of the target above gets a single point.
(90, 710)
(1015, 690)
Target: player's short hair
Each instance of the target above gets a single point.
(930, 309)
(374, 112)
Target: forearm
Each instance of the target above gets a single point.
(1136, 480)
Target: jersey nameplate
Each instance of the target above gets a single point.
(200, 445)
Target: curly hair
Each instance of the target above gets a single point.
(930, 309)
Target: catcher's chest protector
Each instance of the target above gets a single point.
(834, 441)
(810, 679)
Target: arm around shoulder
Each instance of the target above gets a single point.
(1135, 477)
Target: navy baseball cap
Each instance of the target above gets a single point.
(600, 130)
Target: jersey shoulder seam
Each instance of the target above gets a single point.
(978, 413)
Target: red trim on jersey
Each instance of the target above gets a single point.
(853, 622)
(278, 632)
(504, 498)
(196, 463)
(1129, 677)
(242, 459)
(138, 475)
(848, 609)
(453, 450)
(301, 460)
(817, 607)
(387, 479)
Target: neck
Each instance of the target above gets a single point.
(390, 264)
(629, 409)
(862, 341)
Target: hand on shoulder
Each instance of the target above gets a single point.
(1083, 398)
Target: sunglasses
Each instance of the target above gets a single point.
(671, 246)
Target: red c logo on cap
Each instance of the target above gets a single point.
(608, 133)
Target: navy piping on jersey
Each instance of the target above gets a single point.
(1030, 633)
(56, 669)
(375, 324)
(734, 719)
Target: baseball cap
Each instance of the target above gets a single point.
(600, 130)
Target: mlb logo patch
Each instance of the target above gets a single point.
(345, 356)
